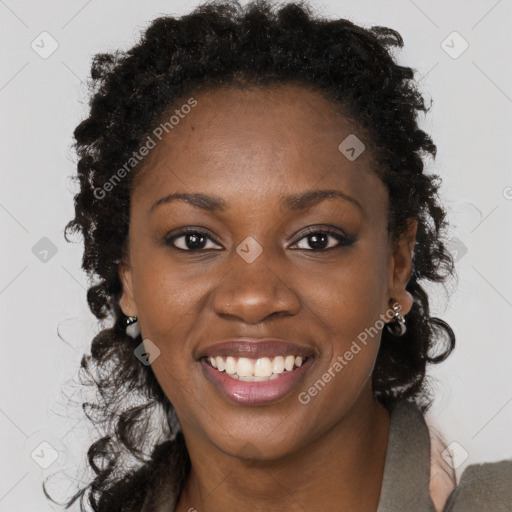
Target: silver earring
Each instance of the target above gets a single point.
(132, 326)
(131, 320)
(397, 325)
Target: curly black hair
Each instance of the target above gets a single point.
(220, 44)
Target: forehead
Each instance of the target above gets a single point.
(260, 143)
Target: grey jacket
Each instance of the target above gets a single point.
(405, 485)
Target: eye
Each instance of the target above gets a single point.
(317, 239)
(191, 240)
(324, 239)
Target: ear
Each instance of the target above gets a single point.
(400, 267)
(127, 300)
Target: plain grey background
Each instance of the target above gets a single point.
(43, 98)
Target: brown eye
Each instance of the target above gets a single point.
(324, 239)
(191, 240)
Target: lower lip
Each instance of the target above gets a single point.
(256, 393)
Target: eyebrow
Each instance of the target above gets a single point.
(209, 203)
(295, 202)
(308, 199)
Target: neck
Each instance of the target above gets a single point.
(342, 470)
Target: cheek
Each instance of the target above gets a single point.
(167, 305)
(347, 311)
(348, 304)
(349, 297)
(167, 295)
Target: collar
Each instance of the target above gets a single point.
(406, 480)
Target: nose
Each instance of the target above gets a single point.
(254, 292)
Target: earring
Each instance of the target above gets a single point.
(132, 327)
(131, 320)
(397, 325)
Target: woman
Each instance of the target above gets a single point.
(254, 207)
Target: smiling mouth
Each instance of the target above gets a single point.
(256, 370)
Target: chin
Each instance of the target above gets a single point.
(256, 447)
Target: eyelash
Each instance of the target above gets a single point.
(343, 240)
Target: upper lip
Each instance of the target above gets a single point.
(254, 348)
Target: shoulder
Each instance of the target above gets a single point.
(485, 486)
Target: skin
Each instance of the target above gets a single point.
(250, 148)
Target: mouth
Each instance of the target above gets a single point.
(262, 369)
(256, 372)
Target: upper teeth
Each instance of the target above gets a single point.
(262, 367)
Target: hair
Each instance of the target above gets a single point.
(220, 44)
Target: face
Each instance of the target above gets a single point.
(253, 251)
